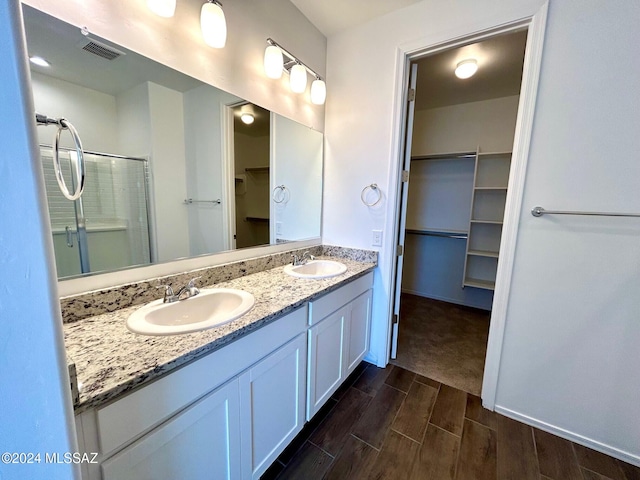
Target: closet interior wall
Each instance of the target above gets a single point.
(440, 193)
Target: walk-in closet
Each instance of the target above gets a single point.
(463, 133)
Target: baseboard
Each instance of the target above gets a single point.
(445, 299)
(574, 437)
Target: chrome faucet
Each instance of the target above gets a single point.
(188, 291)
(306, 256)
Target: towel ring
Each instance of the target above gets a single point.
(64, 124)
(284, 193)
(373, 187)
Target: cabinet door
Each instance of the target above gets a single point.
(202, 442)
(359, 329)
(272, 399)
(326, 353)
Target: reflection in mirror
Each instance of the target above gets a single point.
(172, 169)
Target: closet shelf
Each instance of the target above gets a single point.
(438, 233)
(491, 188)
(495, 154)
(257, 169)
(483, 253)
(257, 219)
(488, 222)
(477, 283)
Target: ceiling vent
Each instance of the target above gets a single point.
(99, 49)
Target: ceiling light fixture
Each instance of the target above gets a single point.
(41, 62)
(213, 24)
(247, 118)
(162, 8)
(466, 68)
(278, 59)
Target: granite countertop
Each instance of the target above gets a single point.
(110, 360)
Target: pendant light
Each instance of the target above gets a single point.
(298, 78)
(213, 24)
(273, 62)
(163, 8)
(318, 91)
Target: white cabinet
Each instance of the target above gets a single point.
(359, 325)
(272, 398)
(201, 442)
(326, 359)
(338, 341)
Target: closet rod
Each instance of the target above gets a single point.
(445, 156)
(435, 233)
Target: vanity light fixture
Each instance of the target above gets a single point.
(277, 60)
(213, 24)
(162, 8)
(41, 62)
(318, 91)
(298, 78)
(247, 118)
(273, 62)
(466, 68)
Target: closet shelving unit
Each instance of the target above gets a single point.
(488, 200)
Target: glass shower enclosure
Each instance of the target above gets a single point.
(108, 227)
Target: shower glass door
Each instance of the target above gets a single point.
(108, 227)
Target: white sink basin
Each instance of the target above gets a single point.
(212, 307)
(316, 269)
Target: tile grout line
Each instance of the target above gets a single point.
(322, 449)
(405, 436)
(535, 449)
(366, 443)
(481, 424)
(445, 430)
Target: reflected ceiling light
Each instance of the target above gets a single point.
(213, 24)
(466, 68)
(318, 91)
(298, 78)
(273, 62)
(41, 62)
(247, 118)
(163, 8)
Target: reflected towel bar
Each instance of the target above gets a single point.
(539, 211)
(189, 201)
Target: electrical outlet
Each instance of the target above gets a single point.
(377, 238)
(278, 228)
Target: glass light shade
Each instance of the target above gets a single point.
(213, 25)
(247, 118)
(318, 92)
(163, 8)
(273, 62)
(298, 78)
(466, 68)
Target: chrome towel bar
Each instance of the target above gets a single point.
(189, 201)
(539, 211)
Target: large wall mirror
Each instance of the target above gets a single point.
(175, 168)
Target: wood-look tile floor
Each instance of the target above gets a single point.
(394, 424)
(443, 341)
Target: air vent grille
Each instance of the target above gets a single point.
(100, 49)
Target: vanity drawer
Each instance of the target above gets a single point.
(323, 306)
(127, 418)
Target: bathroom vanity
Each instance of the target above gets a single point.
(224, 402)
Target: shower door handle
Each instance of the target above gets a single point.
(69, 236)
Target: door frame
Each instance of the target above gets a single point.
(405, 54)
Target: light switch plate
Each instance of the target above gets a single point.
(376, 241)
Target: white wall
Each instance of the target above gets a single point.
(177, 42)
(489, 124)
(93, 113)
(297, 164)
(169, 174)
(571, 352)
(203, 111)
(570, 349)
(35, 400)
